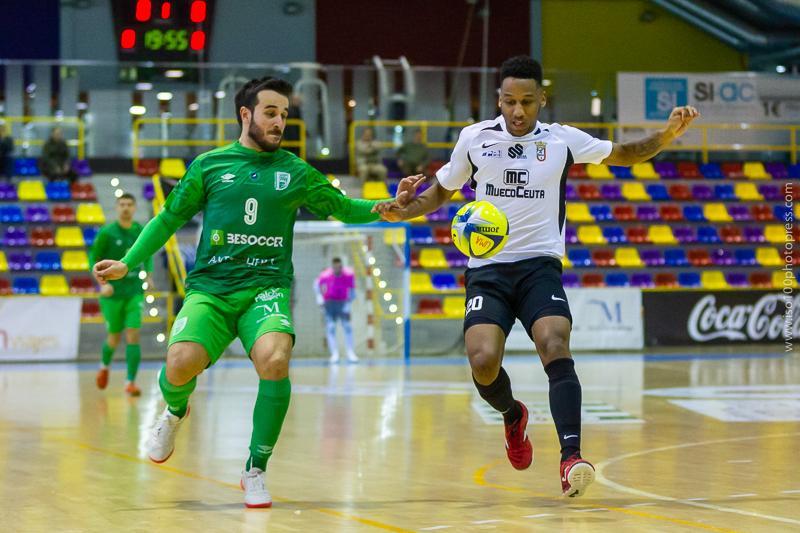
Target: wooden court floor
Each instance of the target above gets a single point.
(681, 442)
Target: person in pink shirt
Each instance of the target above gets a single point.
(336, 289)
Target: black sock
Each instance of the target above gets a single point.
(565, 404)
(498, 395)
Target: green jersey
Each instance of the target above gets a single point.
(113, 242)
(249, 201)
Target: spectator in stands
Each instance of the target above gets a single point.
(368, 157)
(55, 163)
(6, 150)
(336, 289)
(413, 157)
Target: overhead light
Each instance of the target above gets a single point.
(780, 69)
(164, 97)
(138, 110)
(219, 95)
(194, 106)
(161, 337)
(118, 193)
(546, 83)
(143, 86)
(150, 298)
(597, 106)
(114, 182)
(398, 320)
(173, 73)
(142, 275)
(393, 308)
(325, 151)
(351, 103)
(153, 311)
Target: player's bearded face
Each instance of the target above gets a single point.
(268, 120)
(520, 101)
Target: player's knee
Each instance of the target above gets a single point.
(183, 363)
(272, 363)
(485, 361)
(113, 339)
(553, 346)
(132, 336)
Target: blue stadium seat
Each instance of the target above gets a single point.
(10, 214)
(623, 173)
(794, 171)
(781, 212)
(617, 279)
(689, 279)
(693, 213)
(601, 213)
(25, 285)
(658, 192)
(89, 235)
(444, 281)
(57, 191)
(26, 166)
(675, 257)
(49, 261)
(725, 193)
(580, 257)
(745, 257)
(707, 235)
(393, 189)
(712, 171)
(614, 234)
(421, 235)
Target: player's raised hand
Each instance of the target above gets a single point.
(391, 211)
(680, 118)
(108, 269)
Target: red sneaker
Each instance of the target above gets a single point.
(576, 475)
(102, 378)
(518, 446)
(132, 389)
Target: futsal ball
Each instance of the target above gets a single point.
(479, 229)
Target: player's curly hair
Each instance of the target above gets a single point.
(248, 94)
(523, 67)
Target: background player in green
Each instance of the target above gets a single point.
(249, 192)
(121, 301)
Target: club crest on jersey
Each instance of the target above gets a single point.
(541, 150)
(282, 180)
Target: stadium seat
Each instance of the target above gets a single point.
(5, 287)
(768, 257)
(623, 173)
(25, 285)
(761, 213)
(20, 261)
(89, 234)
(716, 212)
(440, 215)
(693, 213)
(761, 280)
(81, 168)
(441, 235)
(779, 279)
(565, 262)
(588, 191)
(739, 212)
(794, 171)
(675, 257)
(11, 214)
(689, 280)
(458, 196)
(63, 214)
(755, 170)
(782, 213)
(600, 171)
(430, 306)
(456, 259)
(579, 212)
(53, 285)
(571, 235)
(414, 260)
(590, 234)
(3, 262)
(15, 236)
(747, 192)
(90, 309)
(770, 192)
(661, 234)
(711, 171)
(684, 234)
(570, 279)
(745, 257)
(665, 280)
(722, 257)
(571, 193)
(643, 280)
(670, 213)
(83, 191)
(732, 171)
(172, 167)
(636, 234)
(25, 166)
(666, 169)
(432, 258)
(592, 280)
(467, 192)
(421, 235)
(8, 193)
(614, 234)
(775, 233)
(647, 213)
(394, 237)
(81, 285)
(699, 257)
(707, 235)
(601, 213)
(69, 237)
(577, 171)
(713, 279)
(627, 257)
(776, 171)
(58, 191)
(624, 213)
(579, 257)
(680, 192)
(724, 192)
(617, 279)
(635, 192)
(603, 258)
(657, 192)
(644, 171)
(90, 213)
(42, 237)
(148, 191)
(375, 190)
(731, 234)
(47, 261)
(688, 170)
(702, 192)
(31, 191)
(74, 260)
(611, 192)
(753, 234)
(147, 167)
(444, 282)
(421, 283)
(652, 257)
(453, 306)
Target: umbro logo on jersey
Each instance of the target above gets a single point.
(517, 152)
(227, 178)
(487, 145)
(282, 180)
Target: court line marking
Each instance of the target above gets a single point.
(494, 521)
(541, 515)
(602, 479)
(434, 528)
(745, 495)
(479, 478)
(185, 473)
(796, 491)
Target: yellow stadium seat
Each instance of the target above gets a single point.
(74, 260)
(713, 279)
(31, 191)
(768, 257)
(458, 196)
(90, 213)
(422, 219)
(599, 172)
(3, 262)
(53, 285)
(779, 277)
(591, 235)
(565, 262)
(172, 168)
(716, 212)
(747, 192)
(432, 258)
(661, 234)
(579, 212)
(421, 283)
(635, 192)
(627, 256)
(375, 190)
(69, 237)
(796, 210)
(394, 236)
(454, 306)
(644, 171)
(755, 170)
(775, 233)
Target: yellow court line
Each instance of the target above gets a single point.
(172, 470)
(479, 477)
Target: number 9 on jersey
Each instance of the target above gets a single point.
(479, 229)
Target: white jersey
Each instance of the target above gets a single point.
(525, 177)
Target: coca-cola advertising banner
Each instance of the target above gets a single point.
(725, 317)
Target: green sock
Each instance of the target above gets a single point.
(268, 414)
(176, 396)
(133, 354)
(108, 353)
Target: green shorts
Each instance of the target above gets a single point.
(215, 320)
(122, 313)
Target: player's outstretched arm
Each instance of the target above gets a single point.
(430, 200)
(627, 154)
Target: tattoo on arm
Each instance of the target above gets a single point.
(639, 151)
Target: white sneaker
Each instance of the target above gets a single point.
(254, 485)
(352, 357)
(162, 437)
(334, 359)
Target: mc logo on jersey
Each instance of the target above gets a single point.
(541, 150)
(516, 176)
(517, 152)
(282, 180)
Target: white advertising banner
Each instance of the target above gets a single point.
(722, 97)
(39, 328)
(602, 319)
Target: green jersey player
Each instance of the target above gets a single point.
(249, 193)
(121, 301)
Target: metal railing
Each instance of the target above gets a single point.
(23, 142)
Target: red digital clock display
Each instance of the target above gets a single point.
(163, 30)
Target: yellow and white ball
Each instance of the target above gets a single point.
(479, 229)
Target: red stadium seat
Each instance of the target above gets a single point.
(83, 191)
(430, 306)
(42, 237)
(414, 258)
(762, 212)
(5, 287)
(593, 280)
(624, 212)
(730, 234)
(637, 234)
(147, 167)
(733, 170)
(90, 308)
(578, 171)
(699, 257)
(679, 191)
(442, 235)
(81, 285)
(665, 279)
(588, 191)
(761, 279)
(688, 170)
(603, 258)
(62, 214)
(671, 213)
